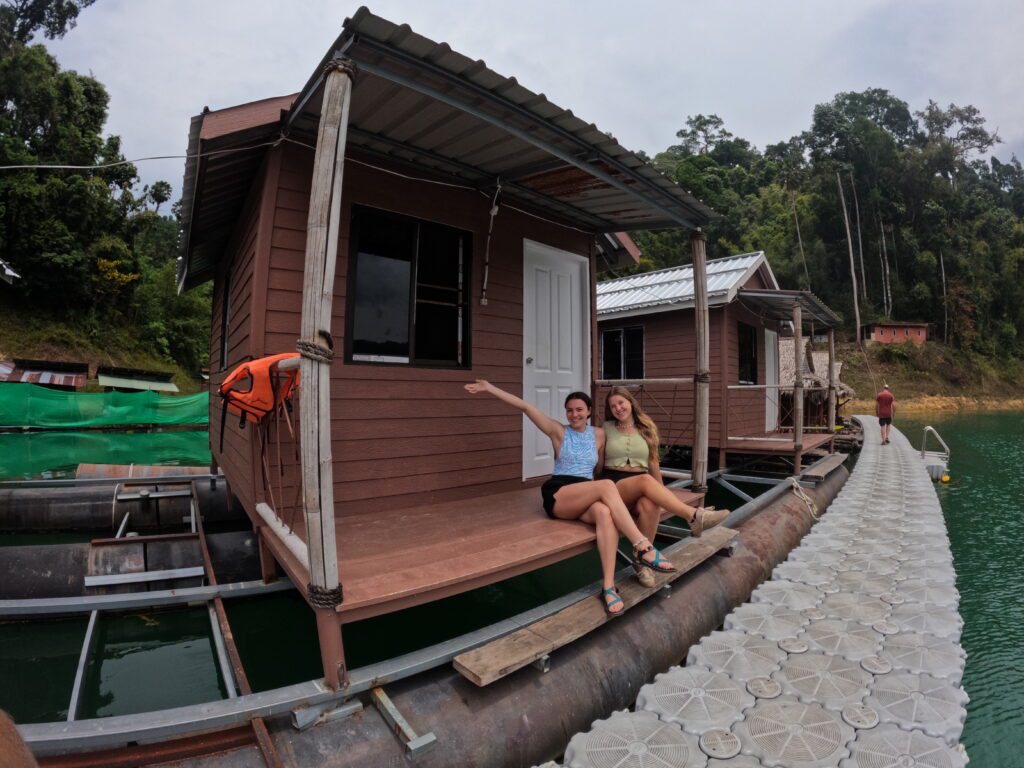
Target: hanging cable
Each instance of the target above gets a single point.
(487, 247)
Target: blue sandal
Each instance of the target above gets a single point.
(608, 605)
(657, 564)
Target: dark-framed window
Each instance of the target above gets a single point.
(408, 291)
(622, 353)
(747, 336)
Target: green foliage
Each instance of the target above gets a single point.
(928, 202)
(89, 251)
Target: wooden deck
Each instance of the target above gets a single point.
(395, 559)
(777, 443)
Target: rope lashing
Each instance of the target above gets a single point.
(342, 65)
(812, 508)
(702, 377)
(314, 350)
(321, 597)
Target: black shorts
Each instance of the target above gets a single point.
(552, 485)
(884, 421)
(617, 475)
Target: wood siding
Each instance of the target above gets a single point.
(402, 435)
(238, 272)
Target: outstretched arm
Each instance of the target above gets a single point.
(544, 423)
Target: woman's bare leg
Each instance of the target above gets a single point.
(647, 514)
(607, 539)
(573, 501)
(632, 489)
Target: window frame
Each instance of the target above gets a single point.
(465, 282)
(740, 352)
(621, 330)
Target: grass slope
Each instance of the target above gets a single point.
(46, 339)
(931, 376)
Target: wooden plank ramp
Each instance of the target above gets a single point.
(821, 468)
(495, 660)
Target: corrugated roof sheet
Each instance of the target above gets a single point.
(674, 286)
(142, 385)
(421, 107)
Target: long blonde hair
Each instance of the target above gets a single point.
(644, 424)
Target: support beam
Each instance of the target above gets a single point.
(798, 389)
(316, 347)
(702, 376)
(831, 381)
(746, 497)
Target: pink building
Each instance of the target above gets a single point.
(896, 333)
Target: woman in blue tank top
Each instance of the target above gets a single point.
(572, 493)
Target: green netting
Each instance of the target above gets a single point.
(29, 405)
(27, 455)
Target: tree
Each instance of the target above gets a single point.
(159, 193)
(702, 134)
(21, 19)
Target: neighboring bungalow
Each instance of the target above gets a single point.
(455, 223)
(814, 372)
(646, 329)
(895, 333)
(114, 379)
(53, 374)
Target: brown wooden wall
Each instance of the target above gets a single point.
(241, 258)
(400, 435)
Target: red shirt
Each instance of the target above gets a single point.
(884, 403)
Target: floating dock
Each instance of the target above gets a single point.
(848, 656)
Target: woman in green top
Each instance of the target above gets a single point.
(630, 460)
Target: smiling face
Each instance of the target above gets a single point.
(577, 413)
(621, 409)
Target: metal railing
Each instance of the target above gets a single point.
(924, 443)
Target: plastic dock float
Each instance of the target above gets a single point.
(535, 642)
(849, 656)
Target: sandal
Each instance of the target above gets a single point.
(608, 604)
(659, 563)
(644, 575)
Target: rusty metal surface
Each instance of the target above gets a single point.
(124, 471)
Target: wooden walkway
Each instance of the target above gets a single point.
(848, 655)
(394, 559)
(777, 443)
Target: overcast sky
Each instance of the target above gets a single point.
(636, 69)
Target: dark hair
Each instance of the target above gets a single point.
(580, 396)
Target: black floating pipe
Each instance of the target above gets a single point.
(92, 507)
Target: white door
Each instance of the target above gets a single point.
(556, 341)
(771, 379)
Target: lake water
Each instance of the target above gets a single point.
(984, 510)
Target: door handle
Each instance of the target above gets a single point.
(529, 360)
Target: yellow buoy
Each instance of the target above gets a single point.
(945, 478)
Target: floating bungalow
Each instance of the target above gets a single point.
(413, 220)
(648, 335)
(895, 333)
(408, 221)
(52, 374)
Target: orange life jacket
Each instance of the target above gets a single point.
(256, 389)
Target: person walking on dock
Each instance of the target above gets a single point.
(885, 407)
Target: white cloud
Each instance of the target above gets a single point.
(635, 70)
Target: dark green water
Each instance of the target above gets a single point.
(984, 510)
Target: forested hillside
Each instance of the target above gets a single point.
(932, 227)
(95, 254)
(903, 211)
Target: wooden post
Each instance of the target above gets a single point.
(798, 390)
(702, 376)
(831, 384)
(315, 345)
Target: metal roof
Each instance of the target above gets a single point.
(425, 109)
(136, 378)
(778, 305)
(670, 289)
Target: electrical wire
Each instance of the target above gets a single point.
(102, 166)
